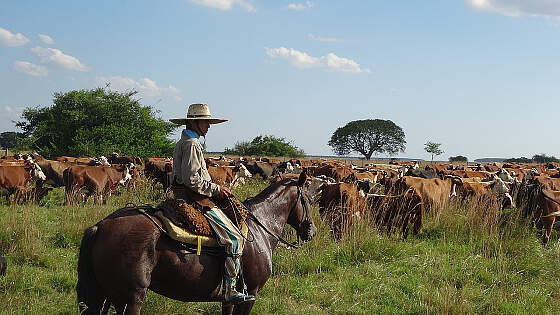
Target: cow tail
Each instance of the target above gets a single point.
(91, 298)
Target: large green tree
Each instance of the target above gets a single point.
(10, 139)
(367, 137)
(96, 122)
(265, 146)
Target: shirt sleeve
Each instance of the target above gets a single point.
(191, 167)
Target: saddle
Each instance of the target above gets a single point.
(231, 207)
(184, 221)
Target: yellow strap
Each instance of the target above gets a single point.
(199, 245)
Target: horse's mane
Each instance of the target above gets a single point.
(268, 190)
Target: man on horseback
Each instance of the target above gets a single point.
(191, 180)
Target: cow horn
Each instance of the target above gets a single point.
(375, 195)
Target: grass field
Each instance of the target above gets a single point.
(463, 262)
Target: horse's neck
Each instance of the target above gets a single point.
(272, 211)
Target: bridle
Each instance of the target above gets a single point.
(306, 214)
(306, 219)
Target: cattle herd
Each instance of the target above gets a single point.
(394, 195)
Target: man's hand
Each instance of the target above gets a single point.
(224, 192)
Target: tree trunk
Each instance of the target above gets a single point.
(368, 156)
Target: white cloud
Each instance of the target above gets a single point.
(46, 39)
(11, 110)
(9, 39)
(515, 8)
(58, 57)
(322, 39)
(300, 6)
(226, 5)
(146, 86)
(330, 62)
(30, 69)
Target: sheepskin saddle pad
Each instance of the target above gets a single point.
(184, 223)
(184, 215)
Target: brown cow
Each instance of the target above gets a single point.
(14, 179)
(159, 170)
(434, 193)
(339, 205)
(53, 171)
(496, 188)
(84, 160)
(99, 181)
(546, 209)
(221, 175)
(116, 159)
(335, 172)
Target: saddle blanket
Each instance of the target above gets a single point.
(180, 234)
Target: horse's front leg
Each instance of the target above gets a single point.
(243, 308)
(227, 309)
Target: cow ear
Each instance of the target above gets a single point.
(302, 178)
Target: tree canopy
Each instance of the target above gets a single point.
(265, 146)
(458, 158)
(543, 158)
(537, 158)
(96, 122)
(368, 137)
(433, 148)
(10, 139)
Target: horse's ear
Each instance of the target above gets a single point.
(302, 178)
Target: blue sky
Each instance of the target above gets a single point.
(478, 76)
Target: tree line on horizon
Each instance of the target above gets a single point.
(100, 122)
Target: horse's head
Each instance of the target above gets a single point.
(300, 215)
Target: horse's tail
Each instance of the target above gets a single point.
(90, 295)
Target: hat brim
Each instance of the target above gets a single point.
(212, 121)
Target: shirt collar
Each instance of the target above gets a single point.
(191, 134)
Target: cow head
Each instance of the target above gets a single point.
(455, 180)
(316, 187)
(500, 188)
(103, 160)
(127, 176)
(402, 171)
(243, 172)
(531, 174)
(365, 186)
(36, 172)
(505, 176)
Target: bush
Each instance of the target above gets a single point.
(537, 158)
(458, 158)
(265, 146)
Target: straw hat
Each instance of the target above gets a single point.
(198, 111)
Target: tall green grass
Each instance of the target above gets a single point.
(470, 258)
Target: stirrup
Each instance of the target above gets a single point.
(238, 298)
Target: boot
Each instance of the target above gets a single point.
(231, 296)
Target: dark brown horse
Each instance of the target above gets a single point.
(125, 254)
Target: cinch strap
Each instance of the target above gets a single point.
(199, 247)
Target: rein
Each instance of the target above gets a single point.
(279, 238)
